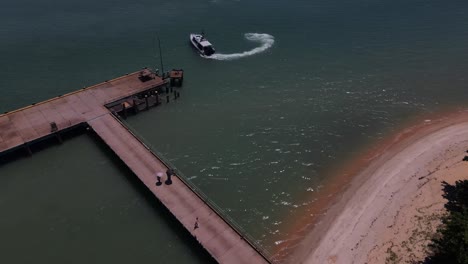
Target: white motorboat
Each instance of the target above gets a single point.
(202, 44)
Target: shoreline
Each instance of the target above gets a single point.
(375, 188)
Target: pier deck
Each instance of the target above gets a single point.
(225, 245)
(31, 123)
(24, 126)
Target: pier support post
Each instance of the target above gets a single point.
(135, 107)
(59, 138)
(167, 89)
(175, 95)
(146, 101)
(167, 98)
(124, 110)
(26, 146)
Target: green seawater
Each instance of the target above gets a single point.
(74, 204)
(257, 134)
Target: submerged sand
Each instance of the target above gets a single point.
(391, 209)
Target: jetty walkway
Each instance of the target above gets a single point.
(96, 108)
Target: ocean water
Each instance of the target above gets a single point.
(260, 127)
(85, 208)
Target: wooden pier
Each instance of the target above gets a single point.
(95, 107)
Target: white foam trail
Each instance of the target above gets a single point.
(266, 41)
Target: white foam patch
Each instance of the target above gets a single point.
(266, 41)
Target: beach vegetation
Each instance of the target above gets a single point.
(450, 243)
(392, 257)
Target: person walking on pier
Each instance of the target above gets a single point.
(169, 173)
(196, 224)
(158, 177)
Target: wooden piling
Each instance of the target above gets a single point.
(28, 149)
(59, 138)
(124, 110)
(135, 106)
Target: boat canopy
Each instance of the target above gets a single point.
(202, 44)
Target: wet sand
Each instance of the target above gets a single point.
(390, 209)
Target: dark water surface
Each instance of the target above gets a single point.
(75, 203)
(255, 134)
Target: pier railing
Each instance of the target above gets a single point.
(217, 209)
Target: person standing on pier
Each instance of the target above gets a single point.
(169, 173)
(158, 177)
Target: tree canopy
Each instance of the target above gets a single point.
(450, 244)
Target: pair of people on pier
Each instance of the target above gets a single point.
(168, 181)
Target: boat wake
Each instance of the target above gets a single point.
(266, 41)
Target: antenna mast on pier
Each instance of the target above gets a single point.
(160, 56)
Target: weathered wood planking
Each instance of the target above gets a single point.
(215, 235)
(34, 122)
(28, 124)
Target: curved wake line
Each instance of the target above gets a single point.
(266, 41)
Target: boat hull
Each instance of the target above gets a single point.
(195, 40)
(194, 44)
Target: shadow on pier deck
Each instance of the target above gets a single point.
(96, 107)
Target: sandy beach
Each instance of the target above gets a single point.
(389, 211)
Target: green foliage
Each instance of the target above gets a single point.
(450, 245)
(392, 257)
(457, 196)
